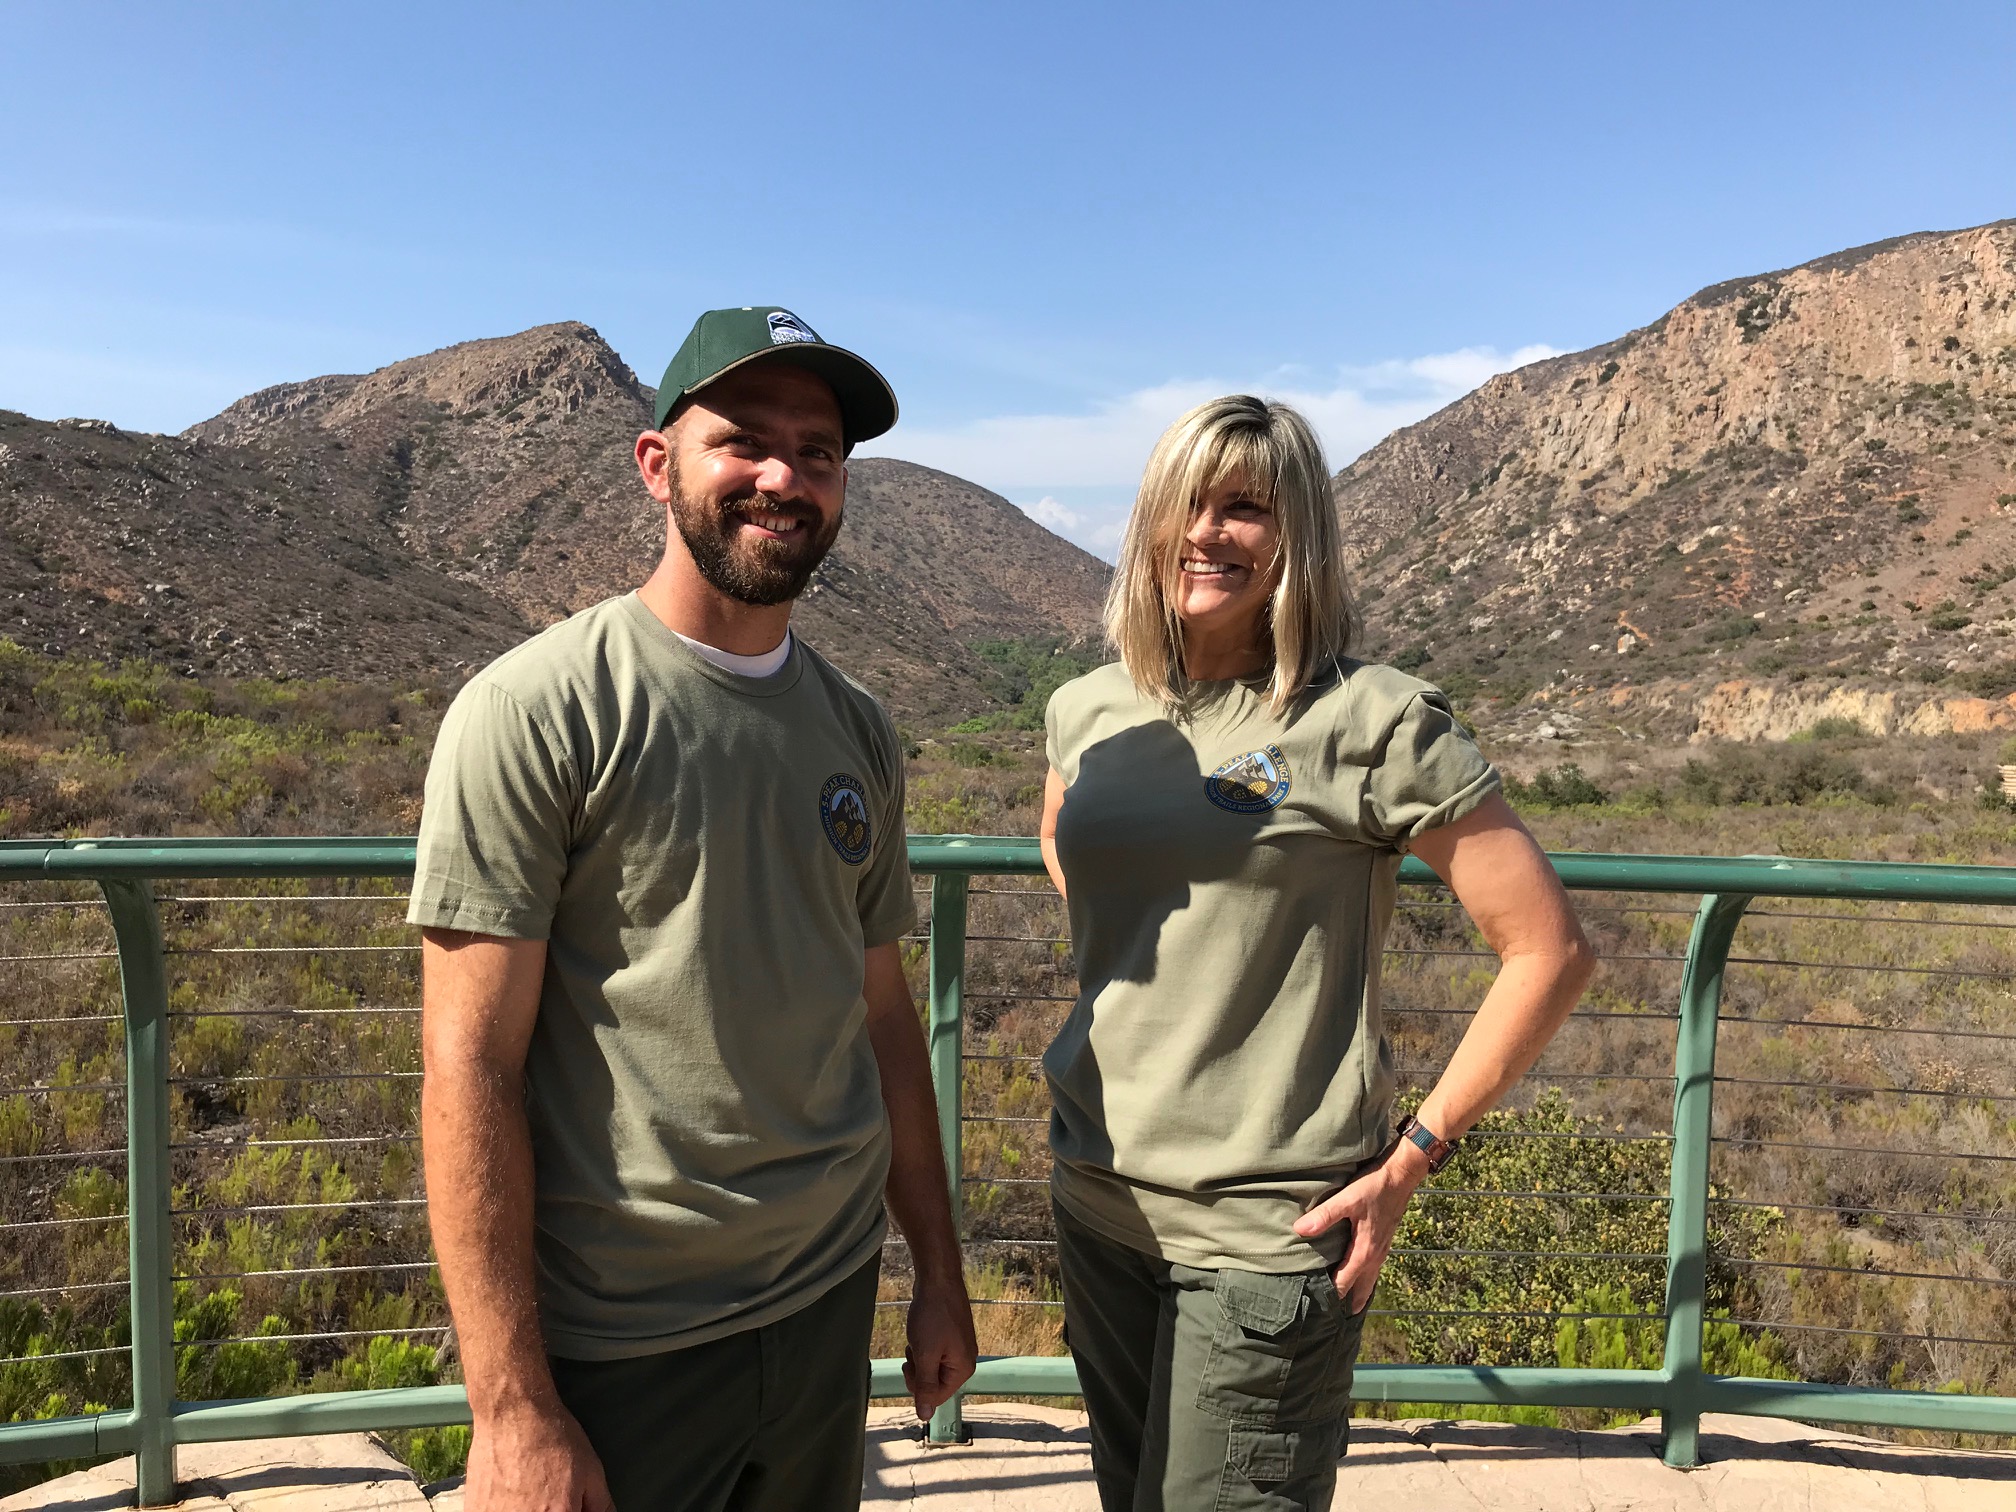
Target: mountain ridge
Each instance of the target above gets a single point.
(421, 518)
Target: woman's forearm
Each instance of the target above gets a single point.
(1534, 993)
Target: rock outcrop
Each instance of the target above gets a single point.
(1810, 471)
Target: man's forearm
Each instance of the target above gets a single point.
(919, 1194)
(479, 1187)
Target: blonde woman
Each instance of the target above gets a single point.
(1226, 811)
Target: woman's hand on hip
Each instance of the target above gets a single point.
(1373, 1206)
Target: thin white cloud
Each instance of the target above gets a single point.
(1107, 447)
(1352, 408)
(1052, 515)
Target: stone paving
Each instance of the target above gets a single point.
(1037, 1459)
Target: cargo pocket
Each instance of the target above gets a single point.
(1271, 1361)
(1286, 1469)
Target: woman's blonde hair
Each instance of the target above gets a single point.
(1270, 450)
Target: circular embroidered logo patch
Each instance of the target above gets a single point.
(1250, 784)
(843, 809)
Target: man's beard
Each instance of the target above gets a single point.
(748, 569)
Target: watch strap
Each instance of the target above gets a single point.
(1439, 1151)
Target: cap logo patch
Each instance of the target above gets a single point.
(784, 326)
(1250, 784)
(843, 810)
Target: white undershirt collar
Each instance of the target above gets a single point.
(763, 664)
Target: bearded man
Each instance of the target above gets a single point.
(673, 1068)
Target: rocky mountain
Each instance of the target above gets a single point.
(1803, 480)
(415, 521)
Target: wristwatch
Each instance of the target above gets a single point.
(1439, 1151)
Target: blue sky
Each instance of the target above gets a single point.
(1052, 225)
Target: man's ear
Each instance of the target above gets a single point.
(654, 462)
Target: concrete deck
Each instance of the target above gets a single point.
(1036, 1459)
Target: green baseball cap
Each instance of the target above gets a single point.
(723, 340)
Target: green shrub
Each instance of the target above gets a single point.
(970, 753)
(1562, 786)
(1833, 727)
(215, 1371)
(1781, 775)
(1996, 680)
(1024, 673)
(1434, 1268)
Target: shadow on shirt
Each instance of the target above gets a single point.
(1136, 834)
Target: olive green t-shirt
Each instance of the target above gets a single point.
(707, 856)
(1230, 879)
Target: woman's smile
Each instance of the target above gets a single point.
(1225, 574)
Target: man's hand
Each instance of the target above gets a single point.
(941, 1347)
(1373, 1205)
(535, 1460)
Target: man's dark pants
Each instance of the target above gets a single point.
(769, 1420)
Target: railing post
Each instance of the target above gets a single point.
(1693, 1139)
(947, 1041)
(143, 977)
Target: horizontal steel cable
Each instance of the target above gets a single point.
(1480, 1312)
(296, 1207)
(64, 1155)
(309, 1270)
(1542, 1075)
(1831, 1149)
(1938, 971)
(73, 1286)
(894, 1242)
(1579, 1016)
(1470, 1254)
(1568, 1134)
(1412, 950)
(1772, 913)
(299, 1013)
(1866, 1333)
(984, 1302)
(290, 898)
(48, 1223)
(1987, 1034)
(62, 955)
(998, 1118)
(279, 1144)
(1867, 1212)
(1605, 1137)
(1429, 1191)
(1759, 1081)
(1857, 1270)
(306, 1338)
(81, 1018)
(184, 950)
(316, 1076)
(63, 1091)
(66, 1354)
(57, 903)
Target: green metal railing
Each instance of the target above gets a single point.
(1680, 1390)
